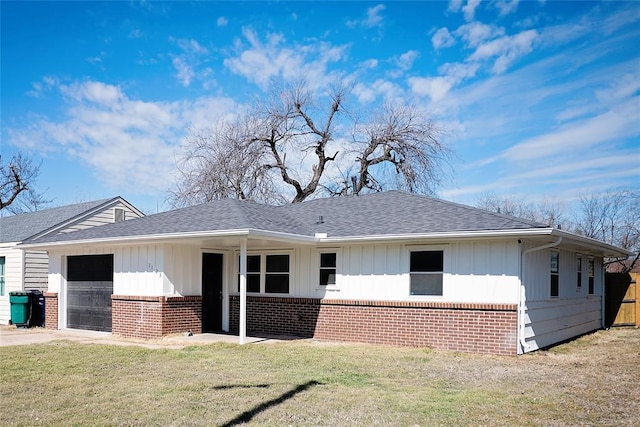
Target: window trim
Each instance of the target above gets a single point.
(263, 271)
(427, 248)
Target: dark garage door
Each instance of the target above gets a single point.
(89, 289)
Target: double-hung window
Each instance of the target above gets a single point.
(591, 271)
(277, 274)
(2, 270)
(554, 291)
(426, 270)
(579, 272)
(328, 268)
(267, 273)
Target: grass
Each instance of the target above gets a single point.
(594, 380)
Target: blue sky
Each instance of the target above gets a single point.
(541, 99)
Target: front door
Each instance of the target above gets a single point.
(211, 292)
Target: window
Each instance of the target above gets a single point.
(426, 271)
(591, 272)
(328, 269)
(555, 274)
(579, 272)
(277, 274)
(2, 264)
(118, 215)
(253, 273)
(267, 274)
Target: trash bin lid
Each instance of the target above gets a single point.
(19, 294)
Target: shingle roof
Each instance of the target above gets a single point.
(397, 212)
(20, 227)
(389, 213)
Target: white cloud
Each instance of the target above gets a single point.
(222, 21)
(507, 6)
(260, 61)
(403, 63)
(367, 93)
(187, 61)
(191, 46)
(372, 19)
(507, 49)
(435, 88)
(469, 9)
(124, 141)
(442, 38)
(454, 5)
(136, 33)
(475, 33)
(184, 71)
(369, 63)
(458, 72)
(575, 137)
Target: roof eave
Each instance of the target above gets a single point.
(196, 235)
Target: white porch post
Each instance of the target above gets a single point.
(242, 333)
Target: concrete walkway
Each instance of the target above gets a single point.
(10, 336)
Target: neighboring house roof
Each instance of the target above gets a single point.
(392, 214)
(24, 226)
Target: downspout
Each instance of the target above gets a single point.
(521, 302)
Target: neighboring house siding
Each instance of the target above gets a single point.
(14, 267)
(105, 216)
(36, 268)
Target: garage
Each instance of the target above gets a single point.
(89, 289)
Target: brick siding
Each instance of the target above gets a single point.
(153, 317)
(476, 328)
(51, 310)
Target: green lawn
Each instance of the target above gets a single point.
(594, 380)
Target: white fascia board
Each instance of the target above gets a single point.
(283, 237)
(458, 235)
(140, 238)
(120, 240)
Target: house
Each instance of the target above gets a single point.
(28, 269)
(393, 268)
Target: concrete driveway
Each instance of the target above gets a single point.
(10, 336)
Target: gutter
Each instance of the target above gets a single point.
(523, 297)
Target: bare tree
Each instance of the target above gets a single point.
(613, 217)
(547, 211)
(17, 184)
(289, 147)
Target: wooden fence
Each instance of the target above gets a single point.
(622, 299)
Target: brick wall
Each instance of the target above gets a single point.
(51, 310)
(477, 328)
(153, 317)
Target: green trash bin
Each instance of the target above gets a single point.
(20, 308)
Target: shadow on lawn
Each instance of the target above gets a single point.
(246, 416)
(229, 386)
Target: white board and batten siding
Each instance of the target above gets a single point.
(14, 270)
(574, 312)
(104, 216)
(479, 272)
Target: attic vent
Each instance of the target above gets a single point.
(320, 220)
(118, 215)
